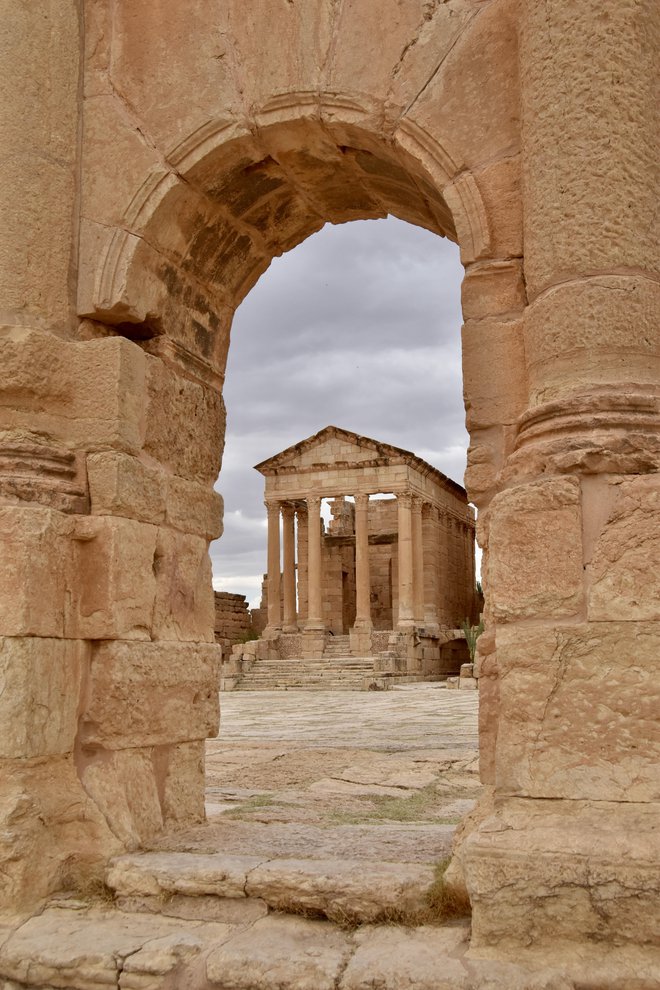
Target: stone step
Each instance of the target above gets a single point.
(83, 947)
(345, 890)
(350, 674)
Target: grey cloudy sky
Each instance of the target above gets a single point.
(358, 327)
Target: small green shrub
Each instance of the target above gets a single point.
(472, 634)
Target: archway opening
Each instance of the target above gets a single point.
(379, 304)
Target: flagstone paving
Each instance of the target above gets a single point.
(331, 804)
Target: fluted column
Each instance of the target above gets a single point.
(362, 576)
(274, 613)
(430, 541)
(404, 512)
(314, 601)
(418, 561)
(290, 622)
(301, 558)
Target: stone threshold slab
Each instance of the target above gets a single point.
(344, 890)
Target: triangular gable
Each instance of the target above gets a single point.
(333, 446)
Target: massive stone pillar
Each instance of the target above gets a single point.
(274, 572)
(289, 568)
(418, 561)
(362, 577)
(301, 558)
(360, 634)
(570, 585)
(430, 539)
(48, 824)
(406, 603)
(39, 135)
(314, 597)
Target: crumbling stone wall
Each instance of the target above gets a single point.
(232, 619)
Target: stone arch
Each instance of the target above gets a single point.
(195, 237)
(112, 425)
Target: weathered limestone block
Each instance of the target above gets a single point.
(578, 711)
(185, 424)
(594, 331)
(280, 951)
(499, 184)
(193, 508)
(151, 694)
(196, 874)
(489, 706)
(205, 66)
(591, 187)
(479, 72)
(494, 373)
(417, 56)
(88, 947)
(49, 829)
(492, 287)
(40, 683)
(183, 784)
(40, 135)
(106, 193)
(337, 888)
(124, 787)
(184, 607)
(544, 873)
(112, 579)
(535, 541)
(89, 393)
(624, 573)
(423, 958)
(35, 546)
(120, 485)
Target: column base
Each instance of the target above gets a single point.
(360, 640)
(313, 643)
(271, 632)
(291, 628)
(542, 872)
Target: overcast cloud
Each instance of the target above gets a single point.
(358, 327)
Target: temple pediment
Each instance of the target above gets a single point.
(334, 448)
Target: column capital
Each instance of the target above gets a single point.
(416, 502)
(272, 505)
(361, 501)
(313, 502)
(288, 510)
(405, 499)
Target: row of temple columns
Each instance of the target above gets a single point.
(282, 608)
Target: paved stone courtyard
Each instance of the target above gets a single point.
(371, 776)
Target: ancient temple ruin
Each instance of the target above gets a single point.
(400, 563)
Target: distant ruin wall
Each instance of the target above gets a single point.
(232, 618)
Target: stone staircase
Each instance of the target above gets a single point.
(341, 674)
(337, 646)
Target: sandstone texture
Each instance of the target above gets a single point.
(156, 157)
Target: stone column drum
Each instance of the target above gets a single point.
(274, 582)
(406, 592)
(289, 620)
(570, 851)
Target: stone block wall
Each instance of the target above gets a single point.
(232, 618)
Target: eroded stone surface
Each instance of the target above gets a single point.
(280, 953)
